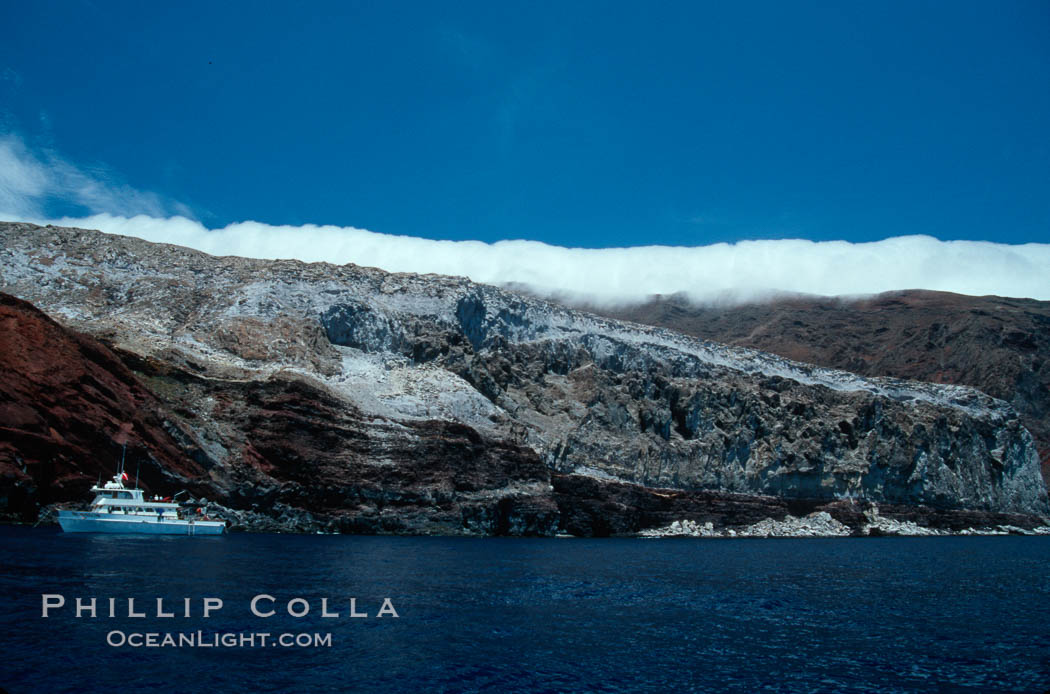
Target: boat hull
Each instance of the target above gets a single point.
(88, 522)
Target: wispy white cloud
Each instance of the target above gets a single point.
(33, 179)
(23, 181)
(10, 75)
(743, 270)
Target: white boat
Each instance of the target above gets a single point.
(117, 509)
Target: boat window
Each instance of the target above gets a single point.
(125, 495)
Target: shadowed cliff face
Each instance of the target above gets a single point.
(365, 397)
(999, 345)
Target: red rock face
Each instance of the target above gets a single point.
(999, 345)
(63, 399)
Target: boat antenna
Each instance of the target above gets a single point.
(138, 464)
(122, 438)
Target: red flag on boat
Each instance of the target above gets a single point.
(123, 476)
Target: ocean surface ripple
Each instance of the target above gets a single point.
(959, 614)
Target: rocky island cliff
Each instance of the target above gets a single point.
(339, 398)
(998, 345)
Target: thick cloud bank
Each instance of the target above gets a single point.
(743, 270)
(32, 178)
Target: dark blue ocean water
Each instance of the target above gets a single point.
(967, 614)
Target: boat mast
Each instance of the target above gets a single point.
(122, 438)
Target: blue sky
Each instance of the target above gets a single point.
(576, 124)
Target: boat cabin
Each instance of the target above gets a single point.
(115, 498)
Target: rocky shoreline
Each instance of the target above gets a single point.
(821, 524)
(817, 524)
